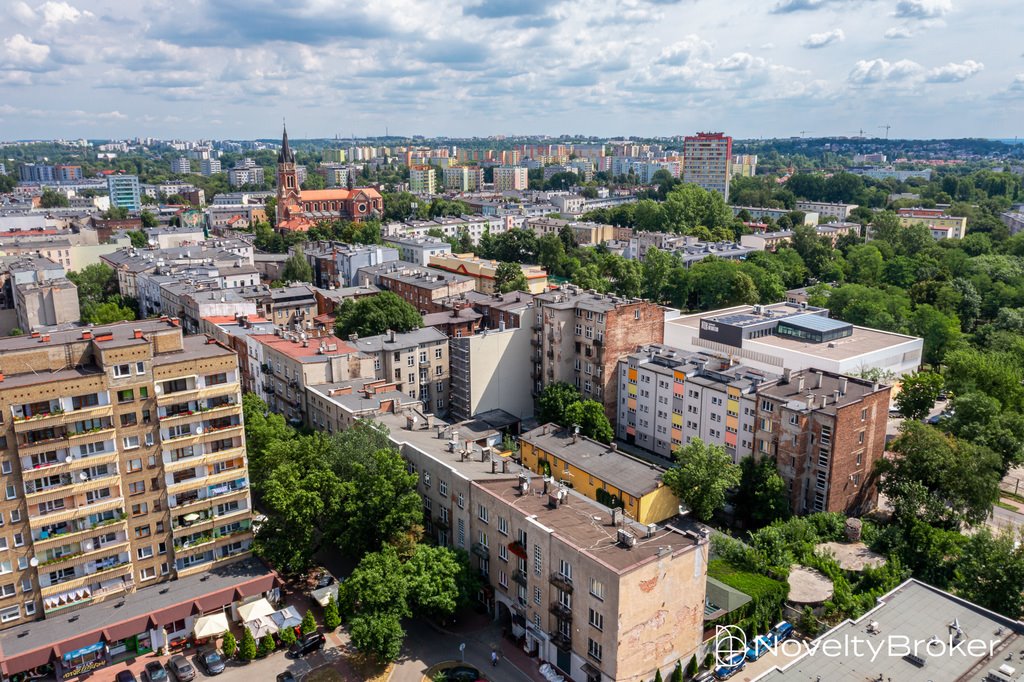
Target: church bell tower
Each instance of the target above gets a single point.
(288, 201)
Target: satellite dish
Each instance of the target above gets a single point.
(84, 476)
(33, 562)
(68, 458)
(199, 429)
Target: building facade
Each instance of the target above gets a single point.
(707, 161)
(510, 178)
(124, 192)
(422, 180)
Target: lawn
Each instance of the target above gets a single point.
(752, 584)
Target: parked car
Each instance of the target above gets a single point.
(155, 672)
(782, 631)
(307, 644)
(125, 676)
(462, 673)
(182, 669)
(735, 664)
(705, 676)
(211, 661)
(758, 648)
(286, 676)
(324, 579)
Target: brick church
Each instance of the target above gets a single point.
(297, 211)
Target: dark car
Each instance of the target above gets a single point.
(182, 669)
(211, 661)
(155, 672)
(125, 676)
(286, 676)
(462, 673)
(307, 644)
(325, 579)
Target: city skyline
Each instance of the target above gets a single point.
(93, 68)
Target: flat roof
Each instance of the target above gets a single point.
(918, 612)
(193, 348)
(818, 323)
(631, 475)
(587, 526)
(305, 353)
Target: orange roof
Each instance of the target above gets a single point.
(295, 349)
(337, 194)
(231, 319)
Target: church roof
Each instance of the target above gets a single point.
(338, 194)
(286, 154)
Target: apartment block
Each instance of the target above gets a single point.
(241, 176)
(423, 288)
(825, 208)
(580, 335)
(124, 192)
(181, 166)
(418, 250)
(416, 361)
(484, 270)
(668, 397)
(825, 431)
(292, 306)
(124, 464)
(744, 165)
(337, 406)
(707, 161)
(422, 180)
(591, 591)
(510, 178)
(941, 226)
(335, 263)
(208, 167)
(464, 178)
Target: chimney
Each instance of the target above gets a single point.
(835, 396)
(175, 322)
(391, 335)
(35, 335)
(843, 381)
(787, 374)
(86, 334)
(137, 333)
(817, 383)
(800, 383)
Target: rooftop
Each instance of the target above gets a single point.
(193, 348)
(918, 612)
(312, 349)
(807, 390)
(631, 475)
(587, 525)
(358, 395)
(570, 296)
(397, 341)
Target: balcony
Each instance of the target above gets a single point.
(90, 435)
(84, 556)
(481, 550)
(562, 641)
(70, 484)
(55, 517)
(39, 421)
(202, 412)
(117, 570)
(75, 532)
(198, 393)
(203, 459)
(78, 598)
(520, 577)
(561, 581)
(560, 611)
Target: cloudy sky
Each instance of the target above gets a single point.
(754, 68)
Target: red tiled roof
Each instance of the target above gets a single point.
(295, 349)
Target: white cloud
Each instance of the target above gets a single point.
(1018, 82)
(923, 9)
(21, 51)
(880, 70)
(681, 52)
(57, 12)
(816, 40)
(22, 13)
(740, 61)
(899, 33)
(954, 73)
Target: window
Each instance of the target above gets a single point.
(860, 438)
(30, 608)
(439, 370)
(140, 368)
(482, 513)
(597, 588)
(462, 533)
(125, 396)
(26, 585)
(565, 568)
(864, 414)
(596, 619)
(503, 552)
(438, 353)
(142, 532)
(461, 501)
(536, 595)
(5, 466)
(130, 442)
(9, 614)
(145, 552)
(134, 464)
(636, 314)
(442, 487)
(140, 509)
(3, 544)
(482, 537)
(503, 525)
(503, 579)
(594, 648)
(129, 419)
(538, 561)
(410, 361)
(19, 539)
(147, 573)
(11, 491)
(122, 371)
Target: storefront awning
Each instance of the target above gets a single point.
(255, 609)
(211, 626)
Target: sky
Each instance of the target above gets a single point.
(234, 69)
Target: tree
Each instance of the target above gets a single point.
(247, 647)
(590, 417)
(990, 572)
(229, 645)
(331, 618)
(554, 400)
(918, 393)
(432, 576)
(148, 220)
(115, 213)
(979, 418)
(296, 267)
(941, 332)
(691, 669)
(105, 313)
(288, 636)
(938, 478)
(139, 239)
(703, 474)
(762, 496)
(267, 645)
(53, 199)
(372, 315)
(509, 277)
(96, 282)
(308, 623)
(657, 676)
(377, 634)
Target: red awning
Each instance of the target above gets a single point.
(29, 660)
(126, 629)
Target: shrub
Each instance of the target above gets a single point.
(691, 669)
(288, 636)
(308, 623)
(267, 646)
(229, 646)
(247, 647)
(331, 618)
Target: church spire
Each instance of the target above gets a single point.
(286, 155)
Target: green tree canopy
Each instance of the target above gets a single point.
(296, 267)
(509, 277)
(51, 198)
(703, 474)
(372, 315)
(554, 400)
(590, 417)
(762, 496)
(918, 393)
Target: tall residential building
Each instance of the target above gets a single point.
(669, 397)
(181, 165)
(825, 431)
(707, 161)
(744, 165)
(238, 177)
(35, 172)
(463, 178)
(208, 167)
(510, 178)
(124, 191)
(65, 173)
(580, 335)
(416, 362)
(941, 226)
(123, 460)
(422, 180)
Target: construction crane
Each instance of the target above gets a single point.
(804, 132)
(886, 126)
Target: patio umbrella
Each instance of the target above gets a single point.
(191, 517)
(211, 626)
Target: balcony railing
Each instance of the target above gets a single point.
(520, 577)
(562, 641)
(481, 550)
(560, 610)
(561, 581)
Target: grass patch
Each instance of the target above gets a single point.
(752, 584)
(327, 674)
(1011, 496)
(1007, 506)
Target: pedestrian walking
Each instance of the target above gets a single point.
(494, 658)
